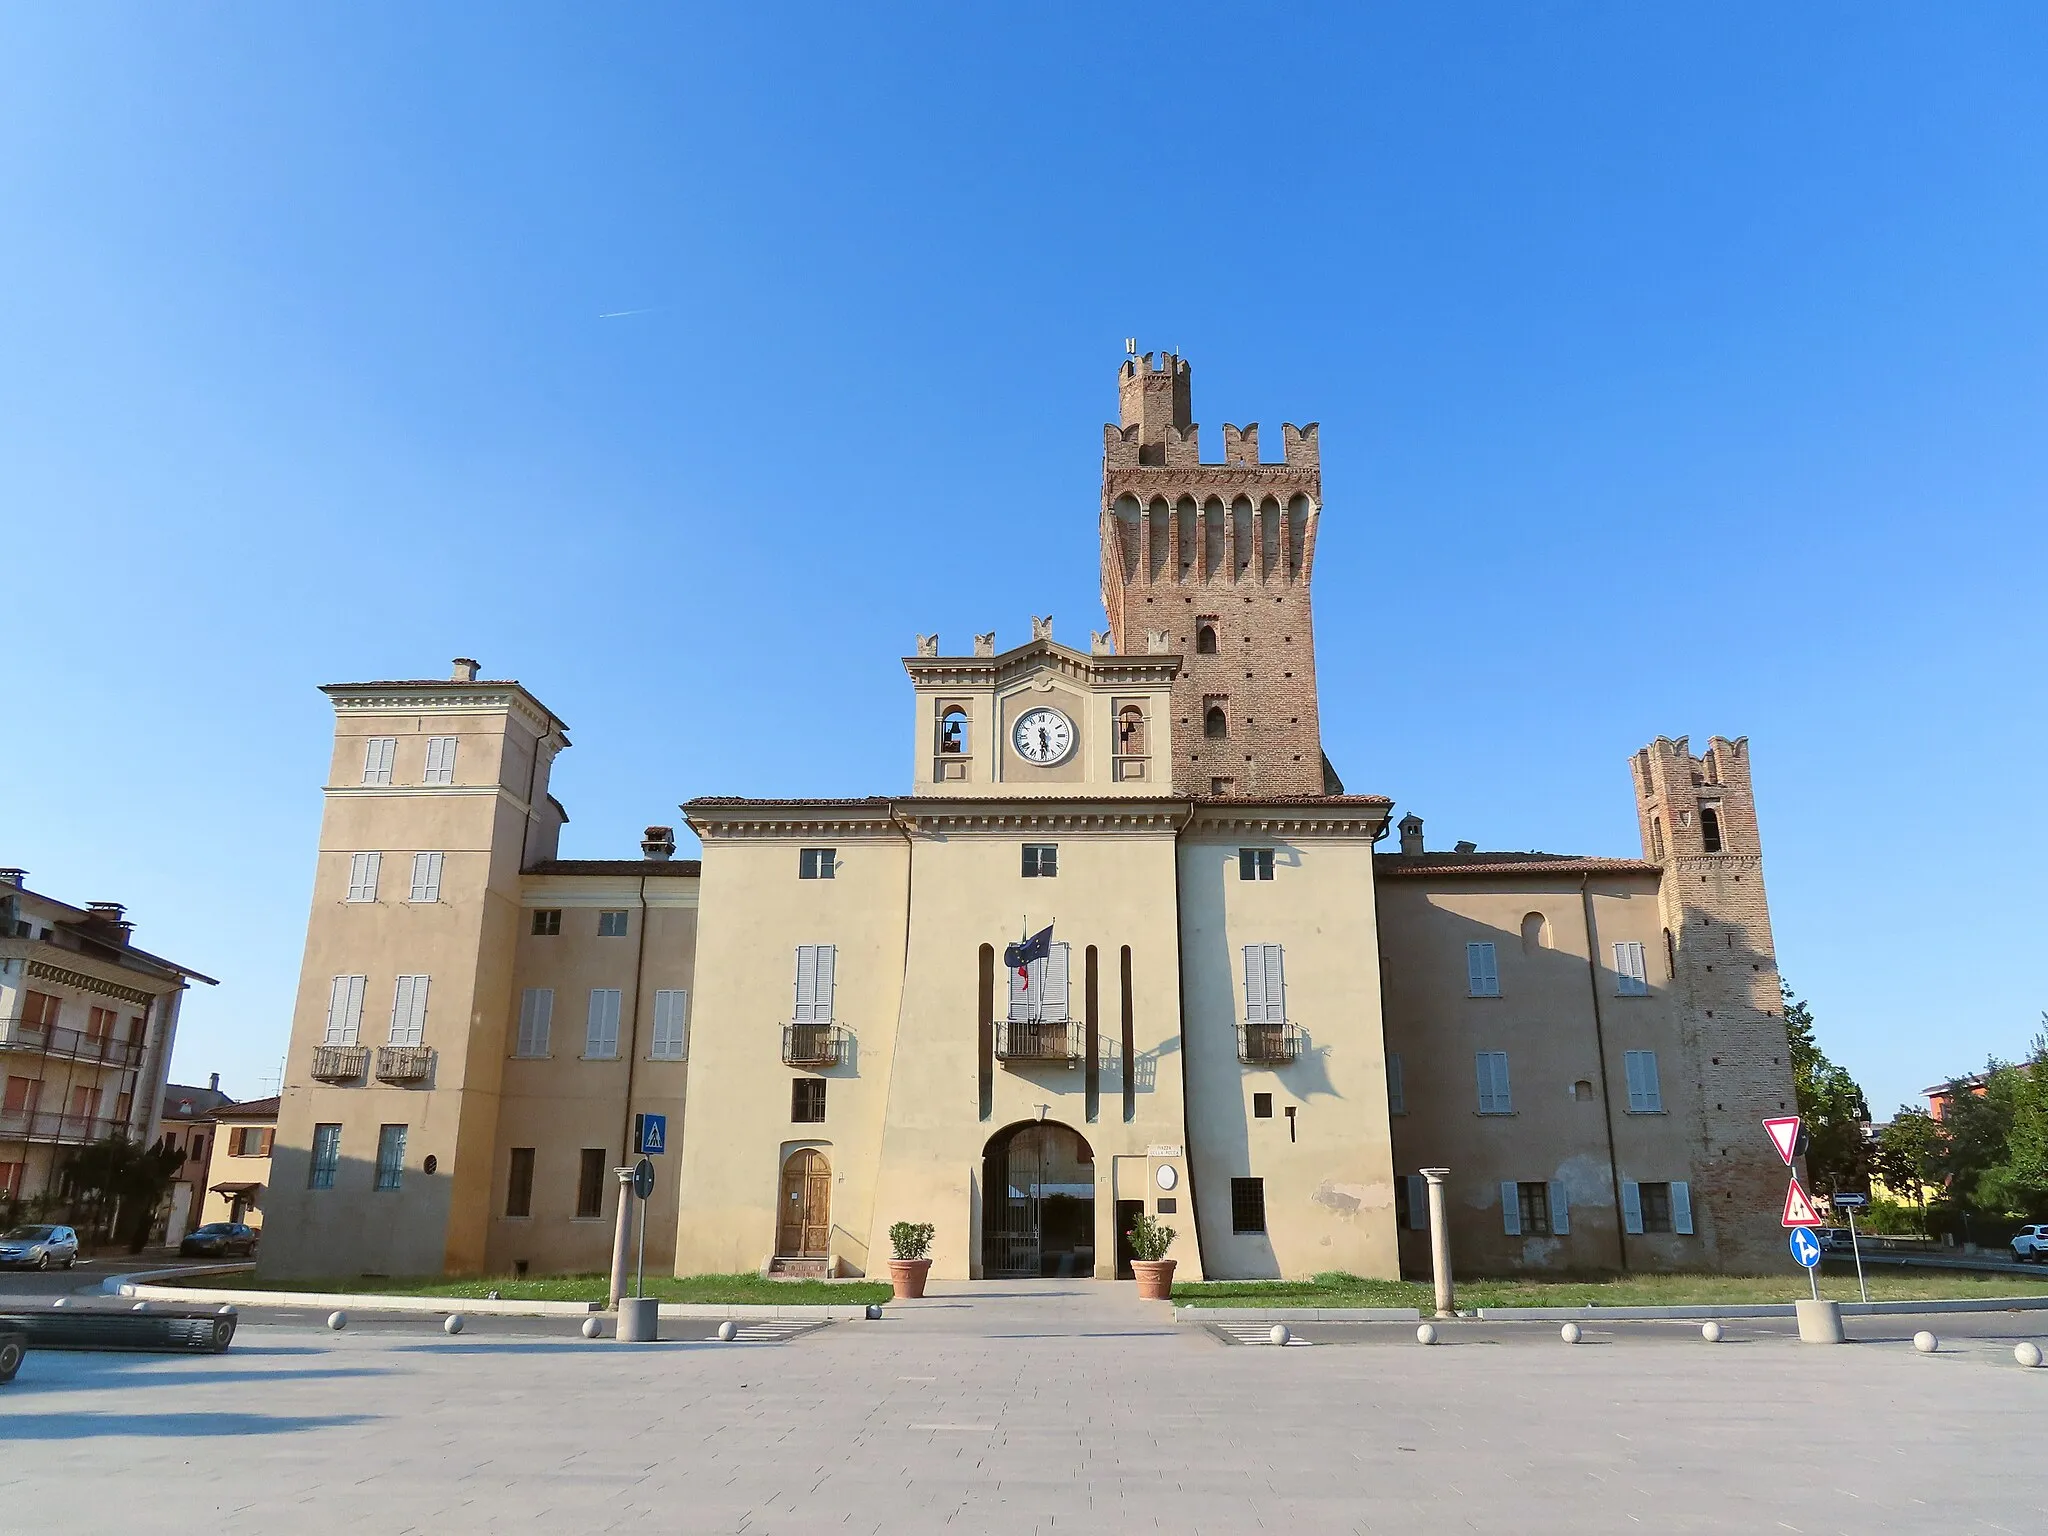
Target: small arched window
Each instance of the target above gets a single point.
(953, 730)
(1582, 1091)
(1130, 731)
(1205, 639)
(1710, 829)
(1214, 725)
(1535, 933)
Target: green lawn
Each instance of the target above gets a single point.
(1340, 1290)
(724, 1289)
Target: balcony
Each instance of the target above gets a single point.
(31, 1125)
(1268, 1045)
(340, 1063)
(67, 1044)
(1029, 1041)
(404, 1063)
(813, 1045)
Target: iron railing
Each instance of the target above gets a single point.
(340, 1063)
(70, 1044)
(1039, 1040)
(403, 1063)
(1268, 1044)
(31, 1125)
(813, 1045)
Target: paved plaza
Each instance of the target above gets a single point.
(1035, 1407)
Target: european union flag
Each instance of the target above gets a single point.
(1019, 956)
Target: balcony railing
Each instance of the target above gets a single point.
(1268, 1045)
(813, 1045)
(1039, 1040)
(69, 1044)
(30, 1125)
(403, 1063)
(340, 1063)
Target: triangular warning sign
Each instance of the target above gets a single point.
(1799, 1211)
(1784, 1136)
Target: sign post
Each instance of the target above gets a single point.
(1806, 1249)
(1801, 1217)
(643, 1186)
(1852, 1204)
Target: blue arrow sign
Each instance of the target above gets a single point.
(1805, 1247)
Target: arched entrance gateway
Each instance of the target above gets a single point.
(1038, 1216)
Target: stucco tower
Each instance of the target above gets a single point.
(1212, 561)
(1698, 819)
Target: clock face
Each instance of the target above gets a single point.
(1043, 736)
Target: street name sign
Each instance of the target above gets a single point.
(1784, 1133)
(1799, 1211)
(1805, 1247)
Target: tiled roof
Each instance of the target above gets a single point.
(255, 1109)
(667, 869)
(844, 800)
(1079, 793)
(1506, 864)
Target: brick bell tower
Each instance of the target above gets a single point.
(1212, 561)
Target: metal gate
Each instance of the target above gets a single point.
(1022, 1170)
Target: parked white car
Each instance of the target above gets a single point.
(2030, 1245)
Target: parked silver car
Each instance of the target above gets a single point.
(38, 1247)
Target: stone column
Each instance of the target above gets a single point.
(1439, 1242)
(621, 1235)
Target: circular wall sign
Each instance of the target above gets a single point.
(1168, 1175)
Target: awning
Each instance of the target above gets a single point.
(237, 1189)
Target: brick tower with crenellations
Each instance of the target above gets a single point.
(1212, 561)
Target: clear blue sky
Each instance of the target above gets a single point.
(1677, 373)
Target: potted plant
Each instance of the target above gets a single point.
(1149, 1242)
(912, 1241)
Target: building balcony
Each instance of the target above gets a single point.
(32, 1125)
(340, 1063)
(1025, 1042)
(1268, 1045)
(403, 1063)
(813, 1045)
(68, 1044)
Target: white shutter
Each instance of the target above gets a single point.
(1681, 1208)
(828, 955)
(1631, 978)
(1631, 1206)
(806, 983)
(363, 869)
(1482, 970)
(671, 1008)
(1560, 1211)
(1022, 993)
(1510, 1208)
(1418, 1202)
(345, 1010)
(601, 1031)
(1397, 1089)
(440, 760)
(536, 1020)
(1053, 1004)
(426, 877)
(378, 753)
(1265, 986)
(409, 1010)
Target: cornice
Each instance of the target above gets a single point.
(446, 699)
(1290, 820)
(1201, 481)
(81, 972)
(926, 814)
(1111, 671)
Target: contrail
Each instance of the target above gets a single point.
(620, 314)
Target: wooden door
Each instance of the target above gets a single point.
(803, 1226)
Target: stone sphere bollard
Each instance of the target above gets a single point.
(1279, 1334)
(1711, 1332)
(728, 1331)
(1426, 1334)
(592, 1328)
(140, 1306)
(337, 1321)
(452, 1323)
(1926, 1342)
(874, 1312)
(2028, 1353)
(1570, 1333)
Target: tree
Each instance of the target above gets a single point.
(2018, 1181)
(1831, 1106)
(118, 1181)
(1907, 1155)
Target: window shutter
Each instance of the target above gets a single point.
(1632, 1206)
(1020, 991)
(1276, 985)
(1653, 1091)
(426, 877)
(1482, 970)
(362, 876)
(1681, 1208)
(1418, 1202)
(1254, 982)
(1053, 1004)
(601, 1034)
(1510, 1208)
(806, 983)
(828, 955)
(269, 1139)
(337, 1011)
(409, 1010)
(1397, 1089)
(1560, 1212)
(536, 1017)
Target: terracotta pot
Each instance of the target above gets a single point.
(1155, 1278)
(908, 1276)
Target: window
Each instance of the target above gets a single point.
(1041, 992)
(326, 1157)
(1041, 861)
(1482, 971)
(1411, 1202)
(1535, 933)
(99, 1023)
(1533, 1210)
(1397, 1089)
(611, 925)
(1644, 1096)
(250, 1141)
(362, 875)
(1262, 1106)
(1205, 639)
(1656, 1207)
(1265, 986)
(1656, 837)
(41, 1008)
(409, 1010)
(1247, 1205)
(590, 1183)
(547, 923)
(519, 1183)
(807, 1101)
(601, 1034)
(1223, 787)
(379, 752)
(1254, 863)
(815, 964)
(345, 1010)
(426, 877)
(1494, 1098)
(1631, 977)
(953, 735)
(440, 760)
(22, 1096)
(1215, 724)
(1582, 1091)
(390, 1156)
(1710, 829)
(671, 1029)
(536, 1021)
(816, 863)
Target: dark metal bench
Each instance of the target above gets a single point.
(77, 1324)
(13, 1345)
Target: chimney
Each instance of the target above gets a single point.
(465, 670)
(108, 918)
(1411, 833)
(18, 878)
(1465, 847)
(213, 1082)
(659, 844)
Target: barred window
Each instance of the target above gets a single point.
(1247, 1205)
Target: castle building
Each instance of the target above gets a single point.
(1246, 1018)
